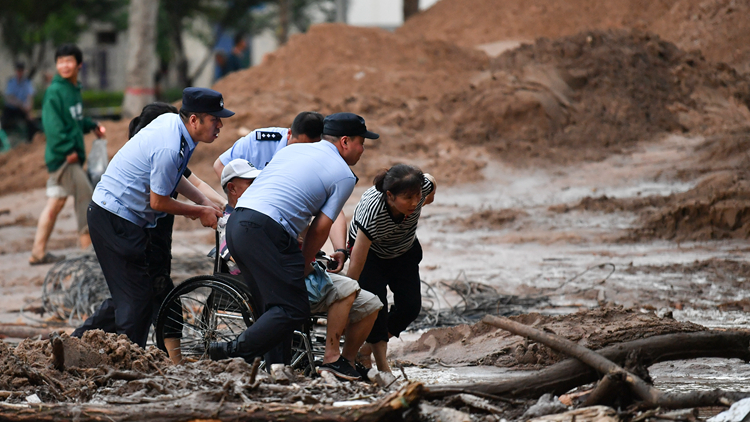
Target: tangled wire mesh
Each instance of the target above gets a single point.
(74, 288)
(477, 300)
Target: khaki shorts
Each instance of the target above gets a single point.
(71, 180)
(364, 304)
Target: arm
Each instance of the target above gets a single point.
(218, 167)
(58, 133)
(359, 255)
(315, 238)
(184, 187)
(207, 214)
(338, 240)
(431, 196)
(208, 191)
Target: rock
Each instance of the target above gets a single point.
(738, 412)
(547, 405)
(282, 374)
(329, 378)
(383, 379)
(586, 414)
(442, 414)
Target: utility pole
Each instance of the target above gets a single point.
(341, 10)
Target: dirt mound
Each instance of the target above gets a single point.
(608, 205)
(717, 27)
(717, 208)
(593, 94)
(485, 345)
(490, 219)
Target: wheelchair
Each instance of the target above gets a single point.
(219, 307)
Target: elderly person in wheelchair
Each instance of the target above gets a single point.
(351, 310)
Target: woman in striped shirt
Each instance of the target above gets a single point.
(385, 251)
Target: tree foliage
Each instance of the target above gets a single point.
(28, 26)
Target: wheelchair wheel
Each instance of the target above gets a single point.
(204, 309)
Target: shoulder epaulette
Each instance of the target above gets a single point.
(267, 136)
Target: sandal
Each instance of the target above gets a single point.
(48, 258)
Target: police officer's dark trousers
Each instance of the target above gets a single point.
(121, 248)
(272, 264)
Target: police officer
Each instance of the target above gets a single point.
(260, 145)
(133, 193)
(301, 182)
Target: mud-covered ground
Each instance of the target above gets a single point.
(529, 234)
(596, 181)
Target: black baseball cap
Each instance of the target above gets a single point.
(204, 100)
(347, 124)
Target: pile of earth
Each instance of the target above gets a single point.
(593, 94)
(489, 219)
(441, 106)
(482, 344)
(107, 368)
(716, 208)
(717, 27)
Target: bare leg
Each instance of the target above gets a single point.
(173, 350)
(379, 351)
(338, 318)
(85, 240)
(46, 223)
(356, 334)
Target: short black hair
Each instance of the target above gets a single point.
(309, 123)
(240, 36)
(69, 50)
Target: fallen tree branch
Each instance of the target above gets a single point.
(23, 331)
(652, 397)
(570, 373)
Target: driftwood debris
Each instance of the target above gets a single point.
(23, 331)
(192, 408)
(651, 396)
(571, 373)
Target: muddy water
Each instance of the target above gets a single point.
(557, 254)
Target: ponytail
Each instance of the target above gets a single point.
(379, 179)
(148, 114)
(133, 126)
(401, 178)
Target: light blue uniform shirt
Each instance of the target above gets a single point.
(153, 160)
(20, 91)
(258, 147)
(300, 181)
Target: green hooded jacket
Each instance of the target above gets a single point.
(63, 122)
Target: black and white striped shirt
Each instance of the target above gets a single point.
(390, 238)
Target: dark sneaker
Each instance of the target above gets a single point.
(341, 369)
(218, 350)
(362, 370)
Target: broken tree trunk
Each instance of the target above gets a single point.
(570, 373)
(193, 408)
(652, 397)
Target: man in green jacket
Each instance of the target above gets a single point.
(64, 126)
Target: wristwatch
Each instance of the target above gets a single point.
(345, 252)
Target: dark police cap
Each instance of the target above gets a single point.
(204, 100)
(347, 124)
